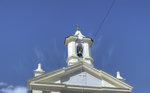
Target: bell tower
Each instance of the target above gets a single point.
(79, 48)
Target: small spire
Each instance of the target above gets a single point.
(39, 68)
(119, 77)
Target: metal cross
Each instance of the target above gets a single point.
(77, 26)
(82, 75)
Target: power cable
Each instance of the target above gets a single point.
(101, 24)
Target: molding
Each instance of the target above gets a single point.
(88, 58)
(74, 38)
(88, 40)
(80, 59)
(69, 39)
(73, 57)
(60, 87)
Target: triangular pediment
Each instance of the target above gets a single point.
(80, 74)
(81, 78)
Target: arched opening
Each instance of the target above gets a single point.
(80, 50)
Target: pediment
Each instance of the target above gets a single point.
(81, 78)
(80, 75)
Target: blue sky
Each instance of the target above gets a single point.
(33, 31)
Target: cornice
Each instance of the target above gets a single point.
(74, 38)
(64, 87)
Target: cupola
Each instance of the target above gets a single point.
(79, 48)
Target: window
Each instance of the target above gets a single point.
(79, 50)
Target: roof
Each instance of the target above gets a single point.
(44, 79)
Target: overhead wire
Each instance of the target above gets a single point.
(101, 24)
(99, 28)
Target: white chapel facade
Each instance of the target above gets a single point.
(79, 76)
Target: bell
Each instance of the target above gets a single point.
(79, 54)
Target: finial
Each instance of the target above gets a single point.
(39, 67)
(77, 26)
(119, 77)
(39, 70)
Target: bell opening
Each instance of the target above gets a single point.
(80, 50)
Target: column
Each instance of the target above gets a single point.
(86, 50)
(71, 48)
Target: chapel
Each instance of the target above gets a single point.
(80, 75)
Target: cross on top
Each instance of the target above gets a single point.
(77, 26)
